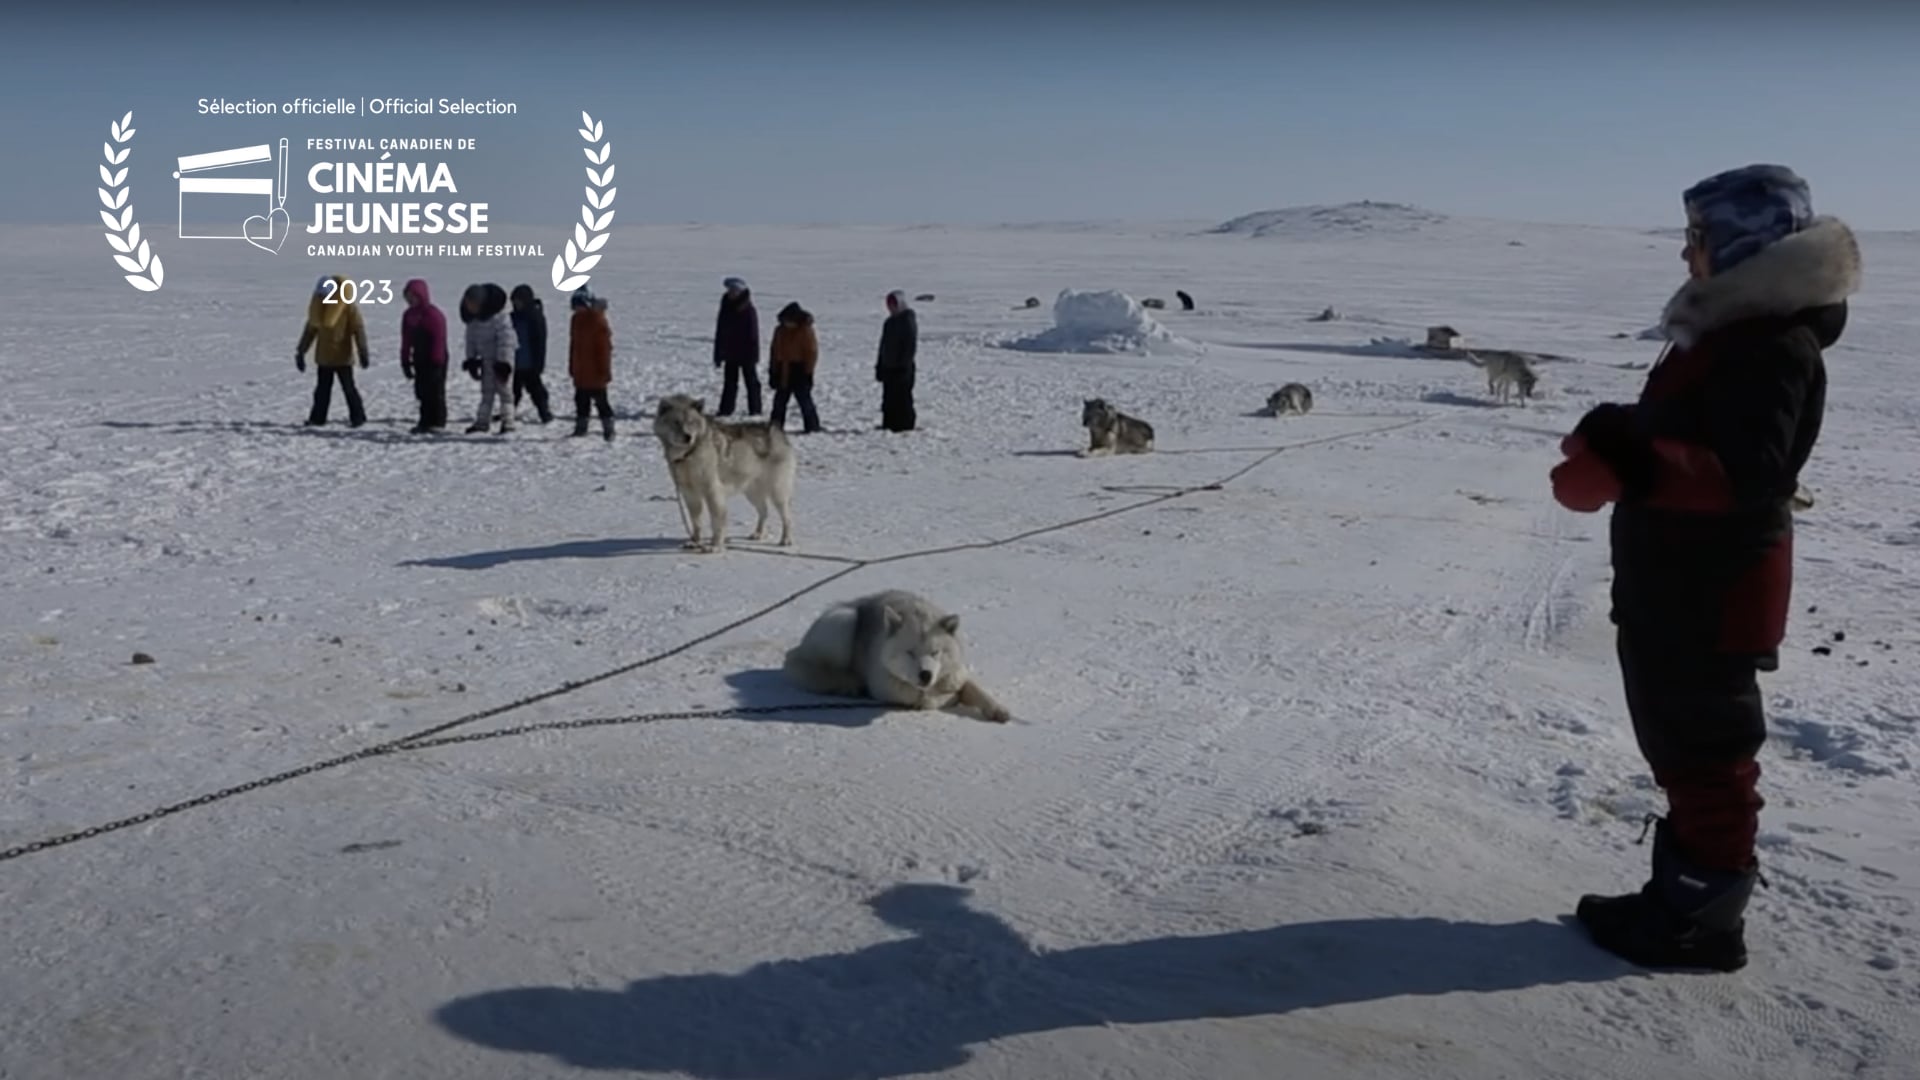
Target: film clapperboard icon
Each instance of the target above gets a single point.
(228, 207)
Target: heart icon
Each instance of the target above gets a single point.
(267, 220)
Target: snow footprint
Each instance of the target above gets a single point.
(1845, 748)
(525, 611)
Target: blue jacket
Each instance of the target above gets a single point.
(530, 326)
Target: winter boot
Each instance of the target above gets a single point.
(479, 427)
(1685, 916)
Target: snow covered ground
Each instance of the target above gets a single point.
(1308, 769)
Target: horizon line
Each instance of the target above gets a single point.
(1205, 224)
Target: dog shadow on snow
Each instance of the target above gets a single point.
(1448, 397)
(766, 688)
(962, 978)
(570, 549)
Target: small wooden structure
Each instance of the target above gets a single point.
(1445, 337)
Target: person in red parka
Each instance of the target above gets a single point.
(1700, 471)
(590, 361)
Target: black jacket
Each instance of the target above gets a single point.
(736, 332)
(899, 342)
(1710, 455)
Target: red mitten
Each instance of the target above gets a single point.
(1583, 483)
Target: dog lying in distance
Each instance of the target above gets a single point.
(1112, 431)
(1293, 398)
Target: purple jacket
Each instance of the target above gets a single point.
(423, 329)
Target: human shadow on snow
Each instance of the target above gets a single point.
(571, 549)
(769, 687)
(377, 431)
(963, 978)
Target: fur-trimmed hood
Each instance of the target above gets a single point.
(488, 300)
(1815, 267)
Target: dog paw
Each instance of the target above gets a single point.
(693, 545)
(787, 542)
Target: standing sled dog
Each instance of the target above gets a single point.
(895, 647)
(712, 460)
(1504, 374)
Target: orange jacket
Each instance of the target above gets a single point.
(590, 349)
(795, 349)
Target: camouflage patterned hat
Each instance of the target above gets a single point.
(1736, 214)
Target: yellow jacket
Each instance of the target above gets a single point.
(334, 330)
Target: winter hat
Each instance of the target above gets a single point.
(734, 283)
(320, 287)
(1736, 214)
(795, 314)
(523, 294)
(583, 297)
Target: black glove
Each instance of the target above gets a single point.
(299, 362)
(407, 371)
(365, 363)
(1613, 432)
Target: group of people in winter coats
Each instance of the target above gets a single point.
(794, 352)
(506, 353)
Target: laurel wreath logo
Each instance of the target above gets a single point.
(143, 267)
(591, 233)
